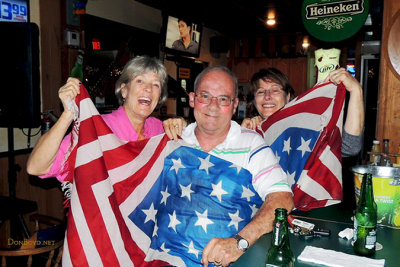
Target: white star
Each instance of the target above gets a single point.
(192, 250)
(235, 219)
(238, 168)
(155, 230)
(203, 221)
(205, 164)
(163, 248)
(218, 191)
(186, 191)
(173, 221)
(247, 193)
(286, 146)
(165, 195)
(177, 165)
(277, 156)
(304, 147)
(290, 177)
(254, 210)
(150, 214)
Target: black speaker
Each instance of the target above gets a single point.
(219, 44)
(19, 75)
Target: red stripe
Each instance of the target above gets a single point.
(322, 175)
(85, 176)
(123, 154)
(335, 143)
(77, 256)
(306, 202)
(125, 187)
(311, 90)
(136, 254)
(93, 128)
(312, 106)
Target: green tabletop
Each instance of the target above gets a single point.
(335, 218)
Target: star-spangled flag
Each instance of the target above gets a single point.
(306, 137)
(153, 202)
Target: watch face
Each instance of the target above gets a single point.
(243, 244)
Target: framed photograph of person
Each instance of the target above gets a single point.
(182, 36)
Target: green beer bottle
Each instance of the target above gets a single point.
(77, 69)
(280, 253)
(365, 219)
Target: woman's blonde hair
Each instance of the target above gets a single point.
(140, 65)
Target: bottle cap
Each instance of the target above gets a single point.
(376, 142)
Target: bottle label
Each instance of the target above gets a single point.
(270, 265)
(365, 233)
(277, 239)
(370, 240)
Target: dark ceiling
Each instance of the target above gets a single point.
(246, 18)
(240, 18)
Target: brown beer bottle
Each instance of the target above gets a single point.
(375, 157)
(365, 219)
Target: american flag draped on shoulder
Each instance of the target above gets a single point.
(147, 203)
(306, 137)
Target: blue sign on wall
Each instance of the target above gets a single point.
(14, 10)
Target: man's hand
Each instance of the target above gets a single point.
(221, 252)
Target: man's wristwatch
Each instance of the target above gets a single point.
(242, 243)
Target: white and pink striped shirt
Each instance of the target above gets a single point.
(247, 149)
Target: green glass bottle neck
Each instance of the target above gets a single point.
(280, 214)
(280, 233)
(367, 195)
(79, 60)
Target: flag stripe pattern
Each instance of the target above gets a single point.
(306, 137)
(153, 202)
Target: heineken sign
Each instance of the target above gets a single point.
(334, 20)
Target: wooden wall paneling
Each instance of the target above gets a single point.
(242, 69)
(261, 63)
(298, 74)
(51, 42)
(282, 64)
(245, 47)
(258, 47)
(272, 52)
(393, 42)
(388, 122)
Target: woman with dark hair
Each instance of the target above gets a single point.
(272, 90)
(141, 87)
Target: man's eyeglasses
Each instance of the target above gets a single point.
(273, 91)
(206, 98)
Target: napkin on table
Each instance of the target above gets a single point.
(337, 259)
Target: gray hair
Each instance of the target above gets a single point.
(217, 68)
(140, 65)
